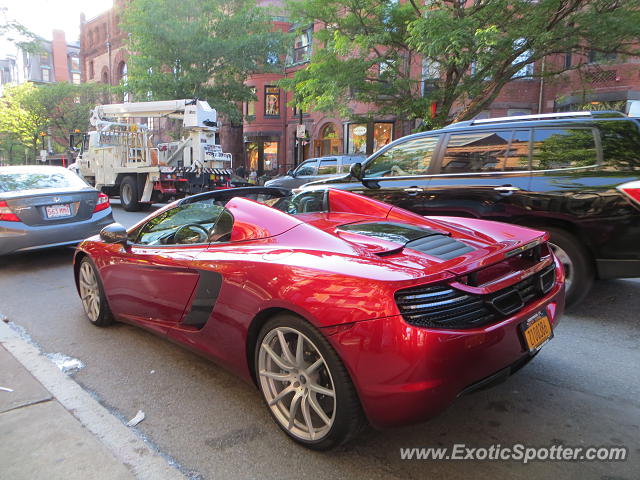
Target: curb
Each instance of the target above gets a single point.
(123, 443)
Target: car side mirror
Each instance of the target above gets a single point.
(114, 233)
(291, 173)
(356, 171)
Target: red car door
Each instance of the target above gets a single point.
(152, 279)
(151, 284)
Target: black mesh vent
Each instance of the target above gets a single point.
(447, 307)
(440, 246)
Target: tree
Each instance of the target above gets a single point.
(198, 48)
(372, 51)
(27, 111)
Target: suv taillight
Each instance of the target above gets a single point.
(102, 204)
(6, 213)
(631, 189)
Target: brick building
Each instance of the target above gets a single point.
(266, 141)
(58, 61)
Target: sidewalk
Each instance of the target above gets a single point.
(41, 439)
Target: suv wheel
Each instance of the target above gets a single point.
(578, 267)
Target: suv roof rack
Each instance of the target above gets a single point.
(550, 116)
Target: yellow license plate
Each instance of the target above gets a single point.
(537, 331)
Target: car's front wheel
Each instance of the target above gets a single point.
(305, 385)
(92, 295)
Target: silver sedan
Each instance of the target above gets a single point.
(42, 206)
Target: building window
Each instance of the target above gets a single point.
(250, 111)
(382, 135)
(45, 58)
(270, 156)
(302, 47)
(430, 76)
(105, 76)
(329, 142)
(527, 70)
(91, 69)
(271, 101)
(46, 74)
(75, 63)
(357, 138)
(75, 78)
(568, 60)
(602, 57)
(516, 112)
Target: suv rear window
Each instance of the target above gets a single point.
(562, 148)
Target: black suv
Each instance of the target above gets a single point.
(575, 175)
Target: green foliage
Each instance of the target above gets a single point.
(198, 48)
(57, 109)
(477, 49)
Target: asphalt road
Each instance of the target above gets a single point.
(583, 389)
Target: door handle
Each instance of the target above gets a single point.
(507, 189)
(414, 190)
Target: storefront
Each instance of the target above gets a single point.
(329, 142)
(262, 154)
(367, 138)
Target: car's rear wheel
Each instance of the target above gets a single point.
(578, 267)
(129, 194)
(92, 295)
(305, 384)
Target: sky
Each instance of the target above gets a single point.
(43, 16)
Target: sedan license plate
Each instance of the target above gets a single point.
(537, 331)
(58, 211)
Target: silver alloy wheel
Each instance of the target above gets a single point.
(296, 383)
(566, 262)
(89, 291)
(126, 195)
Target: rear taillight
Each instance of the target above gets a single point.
(632, 190)
(102, 204)
(6, 214)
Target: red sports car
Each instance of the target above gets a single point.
(341, 309)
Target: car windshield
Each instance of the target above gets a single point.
(16, 180)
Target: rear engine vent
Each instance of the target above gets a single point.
(447, 307)
(440, 246)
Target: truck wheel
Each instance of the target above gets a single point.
(577, 263)
(129, 194)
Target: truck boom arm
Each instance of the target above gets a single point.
(195, 114)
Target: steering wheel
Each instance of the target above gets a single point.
(191, 233)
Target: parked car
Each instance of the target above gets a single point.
(338, 307)
(574, 175)
(316, 169)
(43, 206)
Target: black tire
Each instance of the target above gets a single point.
(579, 271)
(129, 194)
(347, 416)
(101, 315)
